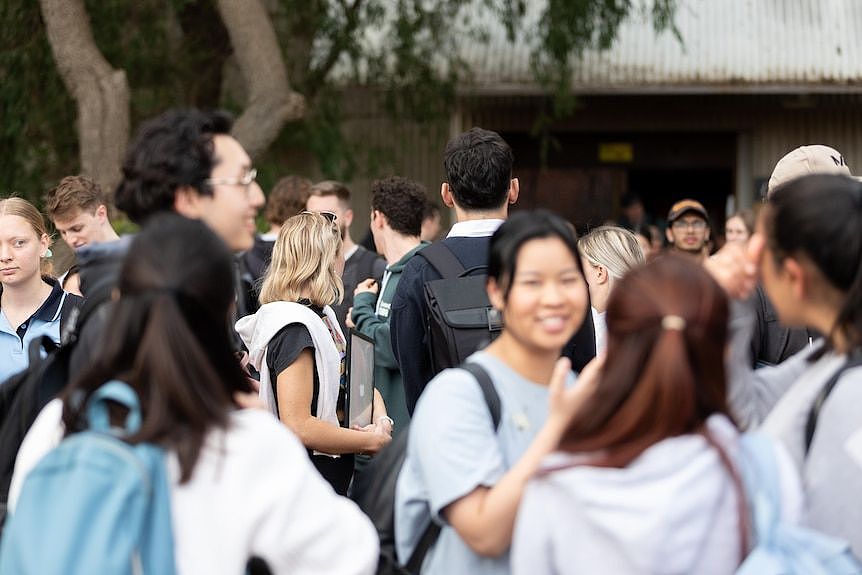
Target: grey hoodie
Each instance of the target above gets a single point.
(671, 511)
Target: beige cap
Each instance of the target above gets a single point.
(805, 160)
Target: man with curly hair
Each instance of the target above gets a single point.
(397, 209)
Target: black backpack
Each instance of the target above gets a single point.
(461, 320)
(374, 489)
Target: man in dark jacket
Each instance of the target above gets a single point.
(480, 188)
(772, 342)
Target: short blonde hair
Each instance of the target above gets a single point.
(303, 262)
(24, 209)
(613, 247)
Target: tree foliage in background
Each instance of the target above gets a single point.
(185, 52)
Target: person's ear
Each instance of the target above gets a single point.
(514, 190)
(102, 213)
(45, 245)
(669, 235)
(795, 273)
(495, 294)
(187, 202)
(602, 276)
(348, 217)
(446, 195)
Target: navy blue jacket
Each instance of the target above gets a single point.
(408, 318)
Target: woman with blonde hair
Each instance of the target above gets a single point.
(608, 253)
(32, 303)
(296, 344)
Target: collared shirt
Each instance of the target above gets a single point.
(474, 228)
(14, 342)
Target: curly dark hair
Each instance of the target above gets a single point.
(172, 150)
(402, 201)
(478, 166)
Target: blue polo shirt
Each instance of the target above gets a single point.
(14, 343)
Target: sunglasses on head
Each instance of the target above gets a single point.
(330, 216)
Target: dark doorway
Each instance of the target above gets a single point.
(659, 189)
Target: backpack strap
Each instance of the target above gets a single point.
(443, 260)
(492, 399)
(811, 424)
(489, 392)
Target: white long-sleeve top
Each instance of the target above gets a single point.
(254, 492)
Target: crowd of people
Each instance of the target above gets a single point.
(616, 419)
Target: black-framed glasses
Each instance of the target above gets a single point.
(245, 180)
(330, 216)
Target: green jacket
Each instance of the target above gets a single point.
(387, 377)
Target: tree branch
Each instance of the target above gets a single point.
(271, 102)
(100, 92)
(317, 76)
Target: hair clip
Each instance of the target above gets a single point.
(673, 322)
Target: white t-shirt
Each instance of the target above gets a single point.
(254, 492)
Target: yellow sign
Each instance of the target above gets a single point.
(618, 152)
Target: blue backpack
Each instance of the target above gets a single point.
(94, 504)
(782, 548)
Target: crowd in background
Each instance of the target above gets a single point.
(637, 375)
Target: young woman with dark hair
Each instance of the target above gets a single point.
(459, 471)
(811, 268)
(645, 480)
(241, 483)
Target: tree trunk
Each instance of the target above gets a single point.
(101, 93)
(271, 102)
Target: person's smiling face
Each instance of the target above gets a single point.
(547, 299)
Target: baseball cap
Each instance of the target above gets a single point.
(805, 160)
(685, 206)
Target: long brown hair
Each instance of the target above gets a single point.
(667, 331)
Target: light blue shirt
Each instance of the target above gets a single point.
(45, 321)
(453, 449)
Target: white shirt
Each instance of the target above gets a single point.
(474, 229)
(254, 492)
(600, 326)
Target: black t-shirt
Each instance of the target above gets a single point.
(284, 349)
(281, 352)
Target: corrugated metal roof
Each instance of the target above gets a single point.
(727, 45)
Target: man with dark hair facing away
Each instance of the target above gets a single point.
(480, 188)
(397, 207)
(359, 263)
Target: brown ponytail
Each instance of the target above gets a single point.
(667, 330)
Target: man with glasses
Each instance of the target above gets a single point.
(184, 161)
(688, 228)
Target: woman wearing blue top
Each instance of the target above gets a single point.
(30, 303)
(460, 471)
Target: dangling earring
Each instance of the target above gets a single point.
(48, 253)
